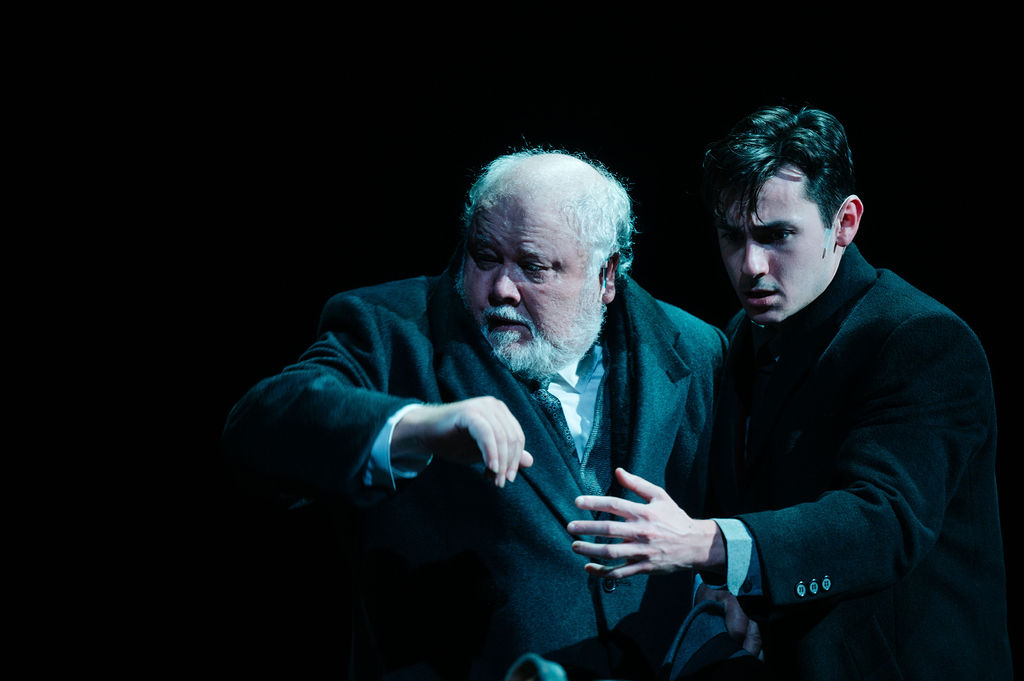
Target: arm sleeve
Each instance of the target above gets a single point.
(918, 411)
(310, 429)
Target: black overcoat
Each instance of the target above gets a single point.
(869, 487)
(456, 578)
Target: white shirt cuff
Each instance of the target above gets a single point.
(382, 469)
(738, 547)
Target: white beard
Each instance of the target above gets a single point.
(541, 357)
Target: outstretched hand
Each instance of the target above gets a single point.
(466, 432)
(654, 537)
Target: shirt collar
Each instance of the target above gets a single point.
(576, 377)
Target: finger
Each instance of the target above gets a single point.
(609, 553)
(646, 490)
(600, 528)
(525, 461)
(516, 441)
(592, 550)
(497, 416)
(618, 571)
(752, 642)
(483, 433)
(736, 623)
(508, 437)
(613, 505)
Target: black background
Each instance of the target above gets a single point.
(297, 168)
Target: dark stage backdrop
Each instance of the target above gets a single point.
(301, 180)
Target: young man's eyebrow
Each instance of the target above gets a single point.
(774, 224)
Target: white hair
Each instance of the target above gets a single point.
(601, 212)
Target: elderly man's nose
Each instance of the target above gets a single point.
(503, 290)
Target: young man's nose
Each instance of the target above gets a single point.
(755, 259)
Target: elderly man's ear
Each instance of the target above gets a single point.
(608, 279)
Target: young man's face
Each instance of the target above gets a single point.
(781, 258)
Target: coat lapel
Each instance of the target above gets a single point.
(465, 367)
(650, 381)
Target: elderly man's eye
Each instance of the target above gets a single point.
(535, 272)
(484, 259)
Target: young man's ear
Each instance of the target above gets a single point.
(848, 220)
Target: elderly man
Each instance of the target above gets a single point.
(855, 439)
(454, 419)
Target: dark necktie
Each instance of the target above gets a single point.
(596, 469)
(595, 465)
(553, 408)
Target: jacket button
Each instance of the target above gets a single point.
(608, 584)
(813, 587)
(801, 589)
(826, 583)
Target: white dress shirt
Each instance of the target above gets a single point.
(576, 387)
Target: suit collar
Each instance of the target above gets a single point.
(852, 279)
(804, 338)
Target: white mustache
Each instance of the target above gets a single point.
(507, 314)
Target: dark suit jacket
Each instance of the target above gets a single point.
(457, 578)
(869, 487)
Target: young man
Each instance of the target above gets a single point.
(854, 444)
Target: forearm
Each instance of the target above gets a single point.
(307, 430)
